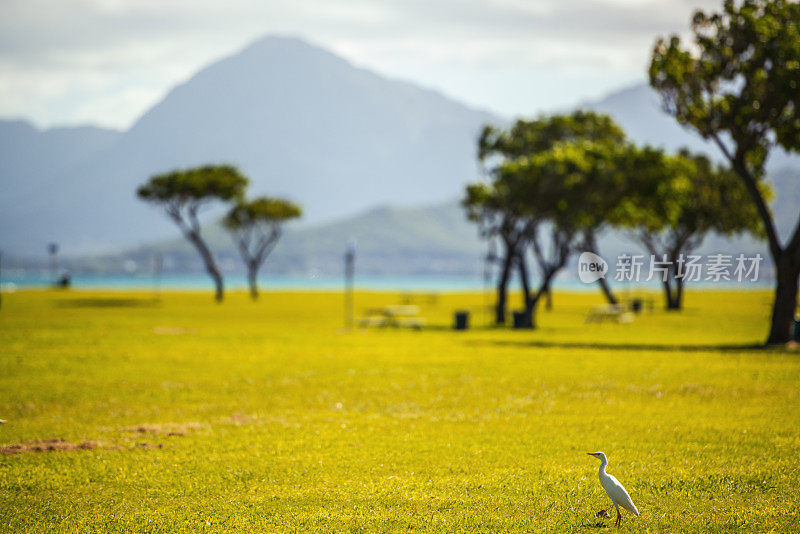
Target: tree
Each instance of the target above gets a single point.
(674, 202)
(739, 87)
(498, 147)
(565, 192)
(488, 206)
(256, 226)
(184, 193)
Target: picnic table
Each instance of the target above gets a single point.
(609, 312)
(402, 315)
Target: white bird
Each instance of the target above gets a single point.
(614, 489)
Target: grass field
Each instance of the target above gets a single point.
(188, 416)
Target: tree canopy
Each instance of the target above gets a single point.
(261, 210)
(191, 186)
(182, 193)
(739, 87)
(552, 175)
(256, 227)
(675, 200)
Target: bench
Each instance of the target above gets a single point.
(399, 316)
(610, 312)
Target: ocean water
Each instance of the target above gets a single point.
(440, 283)
(199, 281)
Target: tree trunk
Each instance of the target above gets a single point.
(590, 243)
(671, 302)
(787, 261)
(252, 280)
(526, 290)
(544, 290)
(523, 277)
(679, 294)
(606, 289)
(785, 305)
(502, 288)
(210, 264)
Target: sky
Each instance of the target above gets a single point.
(105, 62)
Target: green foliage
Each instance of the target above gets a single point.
(256, 226)
(182, 193)
(742, 82)
(529, 137)
(261, 210)
(555, 172)
(575, 185)
(223, 182)
(740, 88)
(685, 194)
(557, 169)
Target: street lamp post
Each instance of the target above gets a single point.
(349, 275)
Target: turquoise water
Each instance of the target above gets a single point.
(277, 282)
(201, 281)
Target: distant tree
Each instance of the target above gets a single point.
(489, 207)
(184, 193)
(505, 151)
(674, 202)
(739, 87)
(565, 193)
(256, 226)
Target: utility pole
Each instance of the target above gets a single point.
(349, 275)
(158, 264)
(52, 249)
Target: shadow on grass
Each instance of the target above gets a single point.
(652, 347)
(107, 303)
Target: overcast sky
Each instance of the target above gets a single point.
(107, 61)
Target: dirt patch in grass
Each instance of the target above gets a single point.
(62, 445)
(48, 445)
(166, 429)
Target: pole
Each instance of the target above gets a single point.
(52, 248)
(158, 262)
(349, 275)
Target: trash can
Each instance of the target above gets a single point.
(522, 319)
(796, 329)
(636, 305)
(461, 320)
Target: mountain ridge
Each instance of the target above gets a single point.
(300, 121)
(401, 146)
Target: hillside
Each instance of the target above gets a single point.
(300, 121)
(390, 240)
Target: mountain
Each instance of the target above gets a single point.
(638, 110)
(390, 240)
(305, 124)
(300, 121)
(435, 239)
(30, 159)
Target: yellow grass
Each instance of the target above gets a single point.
(184, 415)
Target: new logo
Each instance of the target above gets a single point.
(591, 267)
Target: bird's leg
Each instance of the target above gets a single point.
(619, 517)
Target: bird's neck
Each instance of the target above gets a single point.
(602, 470)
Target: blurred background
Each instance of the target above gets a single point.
(366, 113)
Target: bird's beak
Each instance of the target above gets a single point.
(591, 453)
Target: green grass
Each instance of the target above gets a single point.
(283, 422)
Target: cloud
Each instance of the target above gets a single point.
(106, 61)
